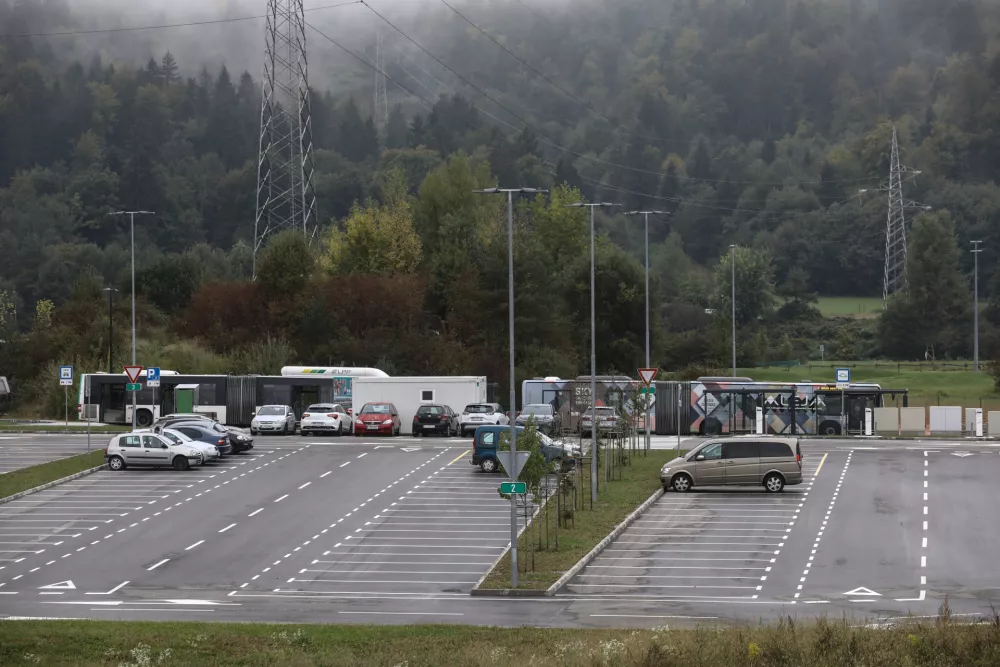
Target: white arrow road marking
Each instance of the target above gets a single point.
(60, 585)
(961, 454)
(116, 588)
(861, 590)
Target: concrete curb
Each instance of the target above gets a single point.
(60, 431)
(48, 485)
(618, 530)
(515, 592)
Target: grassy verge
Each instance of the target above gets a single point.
(928, 384)
(828, 643)
(28, 478)
(849, 306)
(616, 500)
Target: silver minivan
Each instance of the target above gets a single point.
(744, 460)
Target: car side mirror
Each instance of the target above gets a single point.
(700, 457)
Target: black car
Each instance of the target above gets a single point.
(435, 419)
(214, 432)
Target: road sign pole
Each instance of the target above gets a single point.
(86, 405)
(66, 406)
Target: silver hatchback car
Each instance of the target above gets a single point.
(743, 460)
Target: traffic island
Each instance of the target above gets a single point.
(831, 643)
(546, 555)
(21, 482)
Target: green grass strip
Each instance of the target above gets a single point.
(836, 643)
(28, 478)
(615, 501)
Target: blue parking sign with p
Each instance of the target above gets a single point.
(152, 377)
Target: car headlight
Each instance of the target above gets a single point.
(664, 470)
(387, 422)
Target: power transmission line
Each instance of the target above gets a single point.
(189, 24)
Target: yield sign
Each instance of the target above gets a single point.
(648, 375)
(60, 585)
(861, 590)
(133, 373)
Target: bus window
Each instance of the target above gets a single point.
(829, 404)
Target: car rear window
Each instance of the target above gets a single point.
(771, 449)
(430, 410)
(319, 408)
(478, 409)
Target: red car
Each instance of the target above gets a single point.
(377, 419)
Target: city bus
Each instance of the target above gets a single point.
(230, 399)
(722, 405)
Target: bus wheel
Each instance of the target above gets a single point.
(829, 428)
(144, 418)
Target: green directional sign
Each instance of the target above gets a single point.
(133, 386)
(647, 390)
(511, 488)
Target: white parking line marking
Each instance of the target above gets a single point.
(194, 545)
(157, 565)
(227, 527)
(281, 498)
(304, 485)
(256, 512)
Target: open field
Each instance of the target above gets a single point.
(849, 306)
(615, 501)
(829, 643)
(951, 383)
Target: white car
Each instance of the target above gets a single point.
(481, 414)
(325, 418)
(209, 452)
(149, 450)
(607, 421)
(273, 419)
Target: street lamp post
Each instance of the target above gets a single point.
(131, 215)
(975, 306)
(732, 248)
(111, 325)
(513, 386)
(645, 215)
(593, 350)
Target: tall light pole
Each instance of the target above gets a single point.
(111, 325)
(593, 350)
(645, 215)
(732, 249)
(975, 306)
(513, 386)
(131, 215)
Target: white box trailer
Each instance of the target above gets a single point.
(409, 393)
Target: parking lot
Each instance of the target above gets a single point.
(436, 532)
(17, 451)
(718, 543)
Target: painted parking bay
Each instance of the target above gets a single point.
(707, 544)
(436, 538)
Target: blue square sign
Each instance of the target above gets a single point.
(152, 377)
(843, 376)
(66, 376)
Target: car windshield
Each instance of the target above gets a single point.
(271, 410)
(537, 410)
(175, 437)
(430, 410)
(375, 409)
(601, 412)
(319, 408)
(479, 409)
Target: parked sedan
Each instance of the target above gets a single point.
(325, 418)
(273, 419)
(210, 452)
(481, 414)
(149, 450)
(607, 421)
(439, 419)
(546, 418)
(377, 419)
(204, 433)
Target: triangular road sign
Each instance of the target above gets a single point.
(647, 375)
(60, 586)
(861, 590)
(133, 373)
